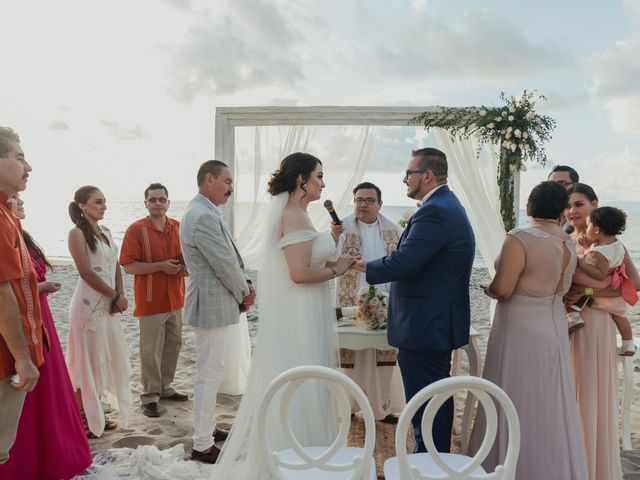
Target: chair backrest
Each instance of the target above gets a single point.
(437, 393)
(342, 388)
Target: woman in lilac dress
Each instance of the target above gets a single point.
(51, 443)
(528, 348)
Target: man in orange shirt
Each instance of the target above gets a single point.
(21, 330)
(151, 252)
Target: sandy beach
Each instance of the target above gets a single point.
(174, 427)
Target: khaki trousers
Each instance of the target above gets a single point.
(160, 342)
(11, 401)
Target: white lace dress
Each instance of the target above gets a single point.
(97, 353)
(297, 327)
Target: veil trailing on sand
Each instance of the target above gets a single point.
(295, 328)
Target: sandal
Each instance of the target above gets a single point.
(85, 423)
(110, 424)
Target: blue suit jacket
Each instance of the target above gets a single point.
(430, 271)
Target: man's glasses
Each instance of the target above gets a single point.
(564, 184)
(415, 170)
(154, 200)
(368, 200)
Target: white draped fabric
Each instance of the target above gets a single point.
(344, 152)
(237, 360)
(473, 179)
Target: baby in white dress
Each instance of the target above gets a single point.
(605, 260)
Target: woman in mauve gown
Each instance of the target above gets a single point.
(51, 443)
(528, 348)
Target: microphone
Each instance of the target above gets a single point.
(328, 204)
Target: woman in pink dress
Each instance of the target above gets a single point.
(594, 353)
(51, 443)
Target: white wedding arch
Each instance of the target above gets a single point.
(473, 166)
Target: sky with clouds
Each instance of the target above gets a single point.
(121, 93)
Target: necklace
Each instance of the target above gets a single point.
(543, 221)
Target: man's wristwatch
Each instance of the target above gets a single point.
(588, 291)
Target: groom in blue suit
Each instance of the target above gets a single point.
(429, 311)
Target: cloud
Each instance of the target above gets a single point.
(482, 44)
(284, 102)
(58, 125)
(123, 133)
(616, 77)
(184, 5)
(244, 44)
(613, 174)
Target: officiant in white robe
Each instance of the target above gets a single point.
(371, 235)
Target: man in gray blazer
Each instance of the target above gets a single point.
(216, 291)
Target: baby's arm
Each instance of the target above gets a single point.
(595, 265)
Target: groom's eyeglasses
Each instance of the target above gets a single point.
(415, 170)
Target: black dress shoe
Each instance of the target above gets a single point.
(390, 419)
(150, 409)
(220, 435)
(209, 456)
(177, 397)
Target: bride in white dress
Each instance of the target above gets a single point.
(297, 320)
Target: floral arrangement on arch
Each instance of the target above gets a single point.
(371, 308)
(516, 127)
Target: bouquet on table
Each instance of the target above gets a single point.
(371, 308)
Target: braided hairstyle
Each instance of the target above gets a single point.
(284, 179)
(76, 214)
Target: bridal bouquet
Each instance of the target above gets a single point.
(371, 308)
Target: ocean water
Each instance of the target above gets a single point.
(50, 226)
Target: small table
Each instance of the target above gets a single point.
(357, 338)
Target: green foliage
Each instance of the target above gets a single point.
(516, 127)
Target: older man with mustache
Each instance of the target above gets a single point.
(216, 292)
(21, 330)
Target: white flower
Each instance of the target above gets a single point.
(508, 135)
(482, 113)
(517, 133)
(509, 129)
(506, 144)
(531, 114)
(525, 135)
(503, 131)
(498, 119)
(491, 125)
(504, 113)
(510, 118)
(512, 108)
(513, 147)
